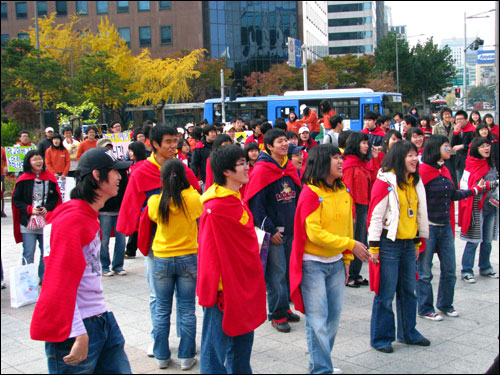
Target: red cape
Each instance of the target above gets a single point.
(380, 190)
(495, 130)
(265, 173)
(16, 214)
(429, 173)
(232, 254)
(478, 168)
(351, 161)
(469, 128)
(307, 204)
(376, 131)
(75, 225)
(146, 177)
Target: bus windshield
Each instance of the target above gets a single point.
(391, 104)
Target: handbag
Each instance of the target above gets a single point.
(36, 222)
(264, 240)
(23, 285)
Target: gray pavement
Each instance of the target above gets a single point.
(467, 344)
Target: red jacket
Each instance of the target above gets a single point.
(293, 126)
(312, 121)
(326, 119)
(359, 177)
(57, 160)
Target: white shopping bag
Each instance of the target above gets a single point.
(23, 285)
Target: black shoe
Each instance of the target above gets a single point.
(129, 256)
(292, 317)
(385, 349)
(422, 342)
(362, 282)
(281, 325)
(352, 284)
(4, 214)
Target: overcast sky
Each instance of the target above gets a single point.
(444, 19)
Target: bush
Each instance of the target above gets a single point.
(10, 133)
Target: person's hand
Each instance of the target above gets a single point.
(361, 251)
(277, 238)
(481, 184)
(79, 350)
(62, 177)
(43, 211)
(457, 128)
(417, 252)
(458, 147)
(374, 152)
(375, 258)
(346, 267)
(200, 183)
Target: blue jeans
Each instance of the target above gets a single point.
(397, 277)
(220, 353)
(106, 354)
(107, 224)
(361, 235)
(441, 239)
(484, 250)
(149, 264)
(276, 280)
(29, 247)
(322, 290)
(175, 273)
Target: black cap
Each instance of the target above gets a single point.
(100, 158)
(293, 149)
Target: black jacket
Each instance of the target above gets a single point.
(23, 198)
(199, 159)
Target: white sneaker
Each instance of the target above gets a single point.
(337, 371)
(432, 316)
(469, 279)
(108, 273)
(121, 272)
(491, 274)
(4, 285)
(163, 363)
(452, 313)
(150, 352)
(187, 363)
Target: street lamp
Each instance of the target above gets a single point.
(397, 57)
(479, 15)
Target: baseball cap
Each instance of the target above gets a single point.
(293, 149)
(103, 142)
(303, 129)
(180, 130)
(49, 129)
(100, 158)
(228, 127)
(189, 125)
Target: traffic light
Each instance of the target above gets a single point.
(475, 44)
(232, 93)
(457, 92)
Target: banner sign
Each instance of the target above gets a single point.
(120, 143)
(65, 186)
(485, 57)
(15, 157)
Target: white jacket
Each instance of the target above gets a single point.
(386, 214)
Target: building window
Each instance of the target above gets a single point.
(61, 8)
(23, 36)
(122, 7)
(4, 11)
(124, 33)
(41, 8)
(350, 36)
(21, 10)
(82, 7)
(164, 5)
(349, 49)
(144, 36)
(5, 39)
(101, 7)
(349, 7)
(349, 21)
(143, 6)
(166, 35)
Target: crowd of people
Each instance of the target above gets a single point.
(195, 198)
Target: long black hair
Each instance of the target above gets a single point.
(432, 148)
(474, 149)
(353, 145)
(86, 186)
(27, 160)
(139, 150)
(395, 160)
(173, 175)
(318, 166)
(387, 139)
(483, 125)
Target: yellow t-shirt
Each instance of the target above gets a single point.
(180, 235)
(329, 228)
(408, 205)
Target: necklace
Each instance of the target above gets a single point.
(411, 213)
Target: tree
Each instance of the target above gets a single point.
(13, 53)
(480, 94)
(383, 82)
(276, 81)
(349, 70)
(24, 112)
(207, 85)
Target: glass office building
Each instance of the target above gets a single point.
(251, 35)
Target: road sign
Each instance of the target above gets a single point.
(294, 53)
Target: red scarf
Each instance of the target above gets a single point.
(376, 131)
(75, 225)
(233, 255)
(478, 168)
(16, 214)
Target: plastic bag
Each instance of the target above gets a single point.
(23, 285)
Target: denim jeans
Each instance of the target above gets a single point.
(361, 235)
(322, 290)
(220, 353)
(179, 274)
(276, 280)
(106, 354)
(397, 277)
(149, 264)
(107, 224)
(441, 239)
(469, 254)
(29, 247)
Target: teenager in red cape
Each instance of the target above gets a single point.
(53, 315)
(377, 131)
(478, 168)
(210, 178)
(44, 176)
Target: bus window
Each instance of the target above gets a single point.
(376, 108)
(391, 104)
(347, 108)
(247, 111)
(285, 111)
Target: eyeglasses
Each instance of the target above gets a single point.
(484, 146)
(243, 164)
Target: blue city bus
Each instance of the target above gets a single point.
(351, 104)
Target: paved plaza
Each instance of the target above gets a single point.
(467, 344)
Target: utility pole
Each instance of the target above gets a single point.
(304, 66)
(40, 92)
(223, 96)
